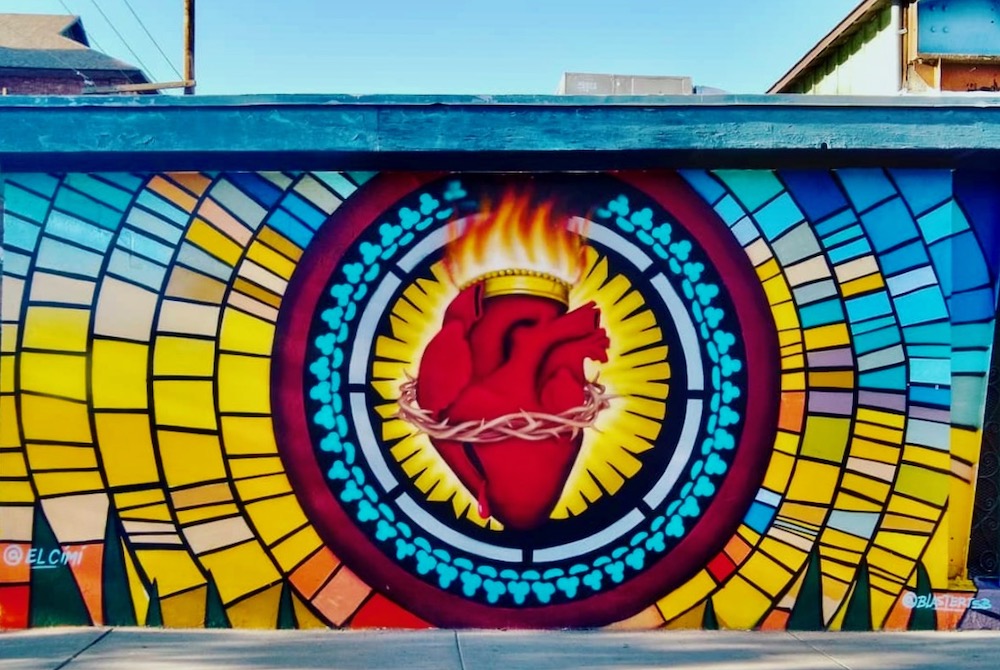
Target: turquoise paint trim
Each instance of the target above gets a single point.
(504, 132)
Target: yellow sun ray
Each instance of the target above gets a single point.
(637, 373)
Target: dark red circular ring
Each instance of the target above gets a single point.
(336, 526)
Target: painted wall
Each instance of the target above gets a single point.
(958, 27)
(701, 399)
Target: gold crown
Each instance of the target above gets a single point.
(522, 282)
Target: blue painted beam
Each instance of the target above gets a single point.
(510, 132)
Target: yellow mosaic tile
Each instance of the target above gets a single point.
(188, 404)
(294, 549)
(257, 611)
(173, 569)
(767, 270)
(740, 605)
(831, 537)
(126, 445)
(60, 457)
(181, 356)
(880, 433)
(67, 481)
(826, 337)
(119, 375)
(55, 328)
(863, 285)
(785, 316)
(923, 456)
(271, 260)
(869, 488)
(206, 513)
(190, 458)
(244, 384)
(276, 517)
(55, 419)
(242, 332)
(924, 484)
(776, 290)
(13, 465)
(262, 487)
(779, 472)
(240, 569)
(874, 451)
(765, 573)
(241, 468)
(214, 242)
(825, 438)
(881, 418)
(248, 435)
(813, 482)
(911, 507)
(686, 596)
(790, 556)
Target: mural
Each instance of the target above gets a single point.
(742, 399)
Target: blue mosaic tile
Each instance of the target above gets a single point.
(815, 191)
(887, 379)
(256, 187)
(100, 190)
(866, 187)
(889, 225)
(778, 216)
(869, 306)
(924, 305)
(303, 211)
(752, 187)
(81, 206)
(923, 189)
(906, 257)
(702, 182)
(290, 227)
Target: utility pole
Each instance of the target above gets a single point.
(189, 47)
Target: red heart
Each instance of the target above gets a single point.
(500, 356)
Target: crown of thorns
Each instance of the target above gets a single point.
(523, 425)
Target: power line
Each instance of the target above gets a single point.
(87, 81)
(90, 38)
(122, 38)
(152, 39)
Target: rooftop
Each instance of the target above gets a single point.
(46, 43)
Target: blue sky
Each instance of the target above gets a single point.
(458, 47)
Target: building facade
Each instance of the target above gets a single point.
(51, 55)
(342, 362)
(888, 47)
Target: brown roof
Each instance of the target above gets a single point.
(54, 42)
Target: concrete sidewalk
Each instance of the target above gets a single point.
(148, 649)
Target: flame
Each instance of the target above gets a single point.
(518, 234)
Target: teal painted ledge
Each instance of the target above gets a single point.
(494, 132)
